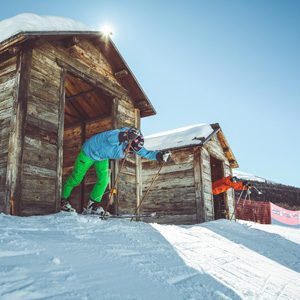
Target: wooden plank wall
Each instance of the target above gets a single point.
(127, 184)
(215, 149)
(8, 83)
(39, 164)
(207, 186)
(173, 194)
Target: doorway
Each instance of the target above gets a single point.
(88, 110)
(220, 201)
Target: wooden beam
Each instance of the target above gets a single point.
(198, 185)
(16, 139)
(80, 70)
(82, 185)
(80, 94)
(71, 41)
(115, 167)
(60, 140)
(121, 73)
(70, 115)
(87, 121)
(138, 163)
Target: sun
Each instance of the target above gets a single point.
(107, 30)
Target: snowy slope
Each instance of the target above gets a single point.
(66, 256)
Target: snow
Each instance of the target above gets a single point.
(248, 176)
(69, 256)
(28, 22)
(184, 136)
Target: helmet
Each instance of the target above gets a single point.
(138, 143)
(133, 133)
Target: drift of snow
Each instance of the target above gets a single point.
(69, 256)
(185, 136)
(27, 22)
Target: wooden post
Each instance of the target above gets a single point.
(115, 166)
(200, 215)
(60, 140)
(138, 164)
(16, 138)
(82, 185)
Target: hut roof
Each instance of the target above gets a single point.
(190, 136)
(29, 27)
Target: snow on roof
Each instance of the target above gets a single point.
(27, 22)
(181, 137)
(247, 176)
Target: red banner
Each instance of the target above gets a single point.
(282, 216)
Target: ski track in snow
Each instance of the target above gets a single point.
(68, 256)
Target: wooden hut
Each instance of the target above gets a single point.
(57, 88)
(182, 194)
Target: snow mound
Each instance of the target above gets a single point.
(27, 22)
(68, 256)
(184, 136)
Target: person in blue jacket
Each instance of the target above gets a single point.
(96, 152)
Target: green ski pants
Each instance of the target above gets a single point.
(82, 164)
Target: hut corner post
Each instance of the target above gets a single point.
(60, 140)
(115, 164)
(200, 212)
(16, 139)
(138, 165)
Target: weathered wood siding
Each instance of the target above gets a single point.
(173, 195)
(125, 116)
(8, 86)
(207, 186)
(39, 163)
(215, 149)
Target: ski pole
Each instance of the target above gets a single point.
(237, 203)
(259, 192)
(113, 191)
(148, 190)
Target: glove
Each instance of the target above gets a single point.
(163, 156)
(247, 183)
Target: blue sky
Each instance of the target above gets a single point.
(232, 62)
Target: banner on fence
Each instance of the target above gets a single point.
(282, 216)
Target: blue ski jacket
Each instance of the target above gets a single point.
(106, 145)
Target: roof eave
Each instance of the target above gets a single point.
(143, 103)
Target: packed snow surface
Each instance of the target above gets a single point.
(184, 136)
(28, 22)
(69, 256)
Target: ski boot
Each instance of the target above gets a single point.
(94, 208)
(66, 206)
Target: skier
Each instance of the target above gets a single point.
(96, 152)
(225, 183)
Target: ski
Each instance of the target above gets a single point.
(127, 216)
